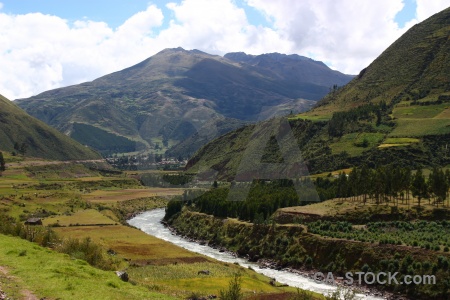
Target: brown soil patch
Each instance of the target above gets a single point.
(282, 296)
(27, 295)
(169, 261)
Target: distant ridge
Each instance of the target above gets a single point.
(169, 97)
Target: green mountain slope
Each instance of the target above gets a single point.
(397, 110)
(414, 67)
(40, 140)
(174, 94)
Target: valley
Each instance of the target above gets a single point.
(239, 177)
(81, 204)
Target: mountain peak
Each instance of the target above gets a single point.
(268, 59)
(157, 98)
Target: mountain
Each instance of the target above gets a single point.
(397, 110)
(172, 95)
(39, 139)
(415, 67)
(293, 69)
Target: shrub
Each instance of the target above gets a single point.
(234, 289)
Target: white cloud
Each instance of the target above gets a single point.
(216, 27)
(40, 52)
(347, 34)
(426, 8)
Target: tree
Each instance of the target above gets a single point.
(20, 148)
(438, 184)
(23, 148)
(447, 176)
(234, 289)
(165, 142)
(378, 117)
(419, 187)
(364, 182)
(2, 163)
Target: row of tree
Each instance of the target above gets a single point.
(383, 184)
(387, 183)
(262, 200)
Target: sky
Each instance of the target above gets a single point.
(46, 44)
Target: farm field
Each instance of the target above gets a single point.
(409, 127)
(82, 204)
(352, 143)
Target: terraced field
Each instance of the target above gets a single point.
(79, 203)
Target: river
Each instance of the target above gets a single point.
(150, 223)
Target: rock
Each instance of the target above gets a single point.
(122, 275)
(273, 282)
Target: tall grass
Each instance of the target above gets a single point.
(84, 249)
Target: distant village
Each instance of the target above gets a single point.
(146, 162)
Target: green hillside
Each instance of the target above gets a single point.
(414, 68)
(28, 271)
(35, 138)
(397, 110)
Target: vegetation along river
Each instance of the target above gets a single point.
(150, 223)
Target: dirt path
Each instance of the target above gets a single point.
(4, 277)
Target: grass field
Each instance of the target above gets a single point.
(418, 111)
(348, 207)
(420, 127)
(127, 194)
(78, 204)
(444, 114)
(81, 217)
(349, 142)
(129, 243)
(41, 273)
(311, 117)
(187, 278)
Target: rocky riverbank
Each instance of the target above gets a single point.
(289, 247)
(265, 263)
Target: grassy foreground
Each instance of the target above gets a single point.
(55, 275)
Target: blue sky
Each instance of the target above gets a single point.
(113, 12)
(45, 44)
(407, 13)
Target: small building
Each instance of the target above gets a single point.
(33, 221)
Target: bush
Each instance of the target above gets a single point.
(234, 289)
(86, 250)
